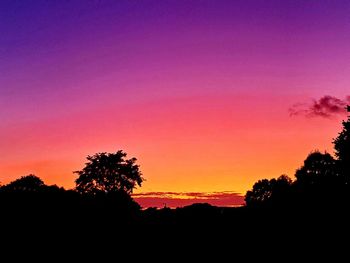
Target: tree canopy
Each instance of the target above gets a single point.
(268, 191)
(28, 183)
(108, 173)
(321, 179)
(342, 147)
(318, 167)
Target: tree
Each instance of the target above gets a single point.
(319, 183)
(28, 183)
(108, 173)
(260, 193)
(319, 168)
(269, 191)
(342, 147)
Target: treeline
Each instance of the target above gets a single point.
(323, 181)
(104, 186)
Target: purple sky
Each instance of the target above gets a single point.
(174, 83)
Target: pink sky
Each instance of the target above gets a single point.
(199, 93)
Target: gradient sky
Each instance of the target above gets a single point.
(198, 91)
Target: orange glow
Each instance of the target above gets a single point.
(199, 92)
(183, 145)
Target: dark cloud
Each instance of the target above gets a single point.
(179, 199)
(325, 107)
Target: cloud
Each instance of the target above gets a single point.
(325, 107)
(180, 199)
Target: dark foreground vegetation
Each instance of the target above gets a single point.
(311, 209)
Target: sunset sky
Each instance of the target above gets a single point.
(210, 96)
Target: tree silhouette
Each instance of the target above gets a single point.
(342, 147)
(318, 168)
(260, 193)
(108, 173)
(269, 191)
(319, 182)
(28, 183)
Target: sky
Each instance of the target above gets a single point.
(210, 96)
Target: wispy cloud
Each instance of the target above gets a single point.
(179, 199)
(325, 107)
